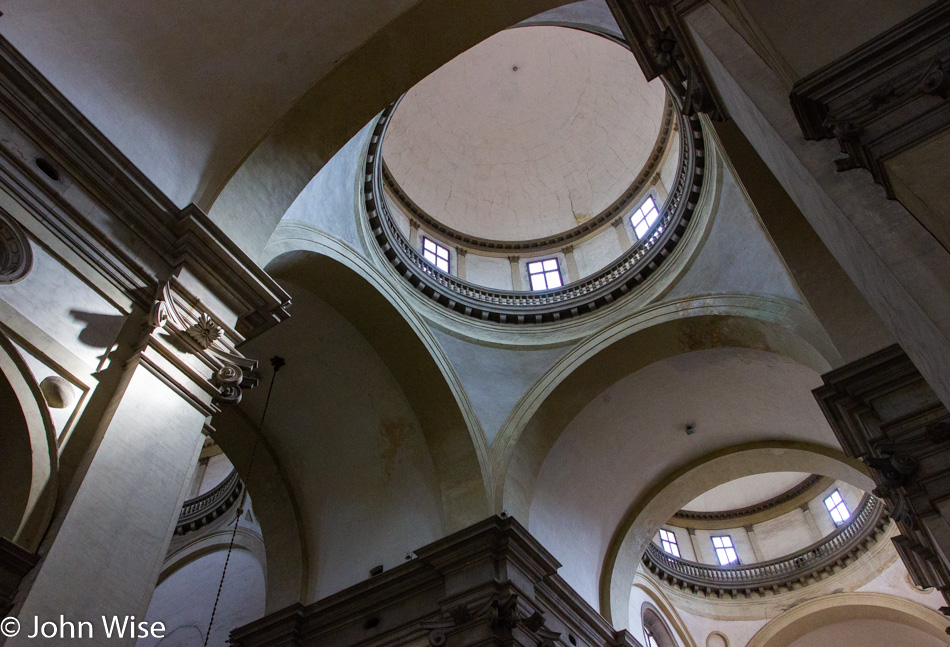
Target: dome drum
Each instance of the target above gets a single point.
(592, 293)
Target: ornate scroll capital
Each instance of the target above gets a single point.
(195, 333)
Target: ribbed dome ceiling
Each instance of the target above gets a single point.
(525, 135)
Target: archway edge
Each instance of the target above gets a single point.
(659, 331)
(45, 457)
(667, 611)
(674, 490)
(265, 184)
(786, 628)
(461, 461)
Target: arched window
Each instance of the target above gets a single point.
(656, 633)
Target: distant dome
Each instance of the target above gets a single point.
(526, 135)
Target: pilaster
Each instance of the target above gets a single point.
(884, 413)
(516, 283)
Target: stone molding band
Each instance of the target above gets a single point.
(572, 300)
(738, 513)
(588, 227)
(812, 564)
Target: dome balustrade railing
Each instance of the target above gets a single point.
(817, 561)
(202, 510)
(579, 297)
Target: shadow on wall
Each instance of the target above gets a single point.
(101, 330)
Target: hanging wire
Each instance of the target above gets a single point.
(276, 362)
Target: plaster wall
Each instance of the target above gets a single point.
(495, 379)
(595, 253)
(350, 446)
(217, 470)
(489, 271)
(589, 13)
(918, 177)
(808, 34)
(186, 94)
(737, 256)
(867, 633)
(624, 441)
(671, 163)
(737, 632)
(472, 143)
(399, 215)
(870, 236)
(638, 598)
(745, 492)
(58, 302)
(183, 601)
(330, 200)
(111, 555)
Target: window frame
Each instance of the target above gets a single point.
(836, 508)
(544, 273)
(638, 215)
(671, 541)
(438, 247)
(726, 550)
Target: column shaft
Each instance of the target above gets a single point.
(108, 552)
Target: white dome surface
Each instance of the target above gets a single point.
(525, 135)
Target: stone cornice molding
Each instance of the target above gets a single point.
(794, 497)
(487, 583)
(585, 229)
(884, 413)
(884, 97)
(582, 297)
(83, 191)
(202, 510)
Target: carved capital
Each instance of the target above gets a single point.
(884, 97)
(193, 332)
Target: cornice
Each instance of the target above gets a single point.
(589, 295)
(809, 488)
(491, 583)
(884, 97)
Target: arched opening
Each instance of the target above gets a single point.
(674, 491)
(16, 469)
(854, 619)
(656, 633)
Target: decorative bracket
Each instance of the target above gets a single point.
(204, 337)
